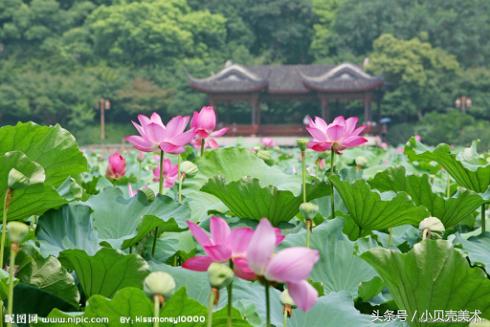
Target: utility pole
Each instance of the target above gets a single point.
(104, 105)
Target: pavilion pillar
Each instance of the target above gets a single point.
(325, 109)
(367, 108)
(255, 104)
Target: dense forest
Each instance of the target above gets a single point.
(58, 57)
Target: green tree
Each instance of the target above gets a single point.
(418, 77)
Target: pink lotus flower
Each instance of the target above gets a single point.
(418, 138)
(116, 166)
(224, 244)
(154, 135)
(291, 266)
(267, 142)
(337, 136)
(204, 123)
(170, 173)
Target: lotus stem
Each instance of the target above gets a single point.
(202, 147)
(285, 319)
(267, 305)
(448, 186)
(157, 299)
(210, 307)
(229, 289)
(160, 191)
(332, 172)
(483, 218)
(160, 186)
(179, 178)
(6, 205)
(14, 248)
(303, 173)
(309, 227)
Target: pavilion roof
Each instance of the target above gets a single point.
(287, 79)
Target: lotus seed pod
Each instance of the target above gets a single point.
(433, 225)
(308, 210)
(159, 282)
(189, 168)
(286, 299)
(220, 275)
(17, 231)
(361, 161)
(302, 144)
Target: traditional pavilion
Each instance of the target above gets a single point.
(253, 84)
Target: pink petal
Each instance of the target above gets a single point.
(140, 143)
(279, 236)
(359, 130)
(220, 132)
(198, 263)
(335, 132)
(304, 295)
(220, 231)
(143, 120)
(292, 264)
(176, 125)
(320, 124)
(157, 119)
(218, 252)
(139, 128)
(339, 120)
(353, 141)
(211, 143)
(242, 270)
(194, 123)
(154, 133)
(171, 148)
(240, 239)
(261, 247)
(199, 234)
(319, 146)
(317, 134)
(182, 139)
(350, 124)
(207, 118)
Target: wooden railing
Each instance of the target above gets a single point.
(266, 130)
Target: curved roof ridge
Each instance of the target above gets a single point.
(228, 69)
(331, 73)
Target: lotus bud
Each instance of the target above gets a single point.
(220, 275)
(308, 210)
(286, 299)
(264, 155)
(189, 168)
(302, 144)
(361, 161)
(141, 156)
(160, 283)
(150, 195)
(431, 226)
(17, 231)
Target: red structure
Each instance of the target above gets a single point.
(253, 84)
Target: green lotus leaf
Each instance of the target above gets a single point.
(368, 211)
(29, 195)
(432, 276)
(450, 211)
(468, 174)
(339, 268)
(53, 147)
(69, 227)
(246, 198)
(477, 248)
(121, 221)
(106, 272)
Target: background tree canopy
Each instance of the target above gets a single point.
(58, 57)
